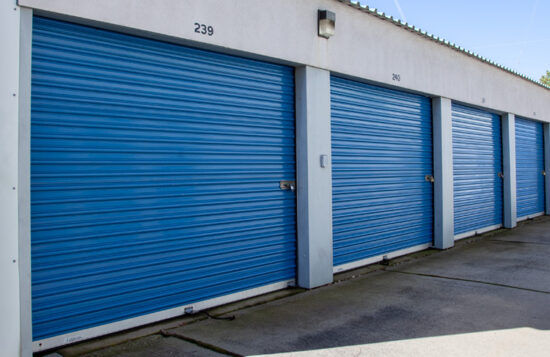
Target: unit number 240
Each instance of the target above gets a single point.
(204, 29)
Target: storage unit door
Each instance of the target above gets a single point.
(477, 169)
(155, 176)
(529, 167)
(381, 153)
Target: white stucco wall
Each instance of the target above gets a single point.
(10, 338)
(286, 30)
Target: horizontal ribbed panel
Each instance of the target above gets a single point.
(529, 167)
(477, 160)
(155, 176)
(381, 152)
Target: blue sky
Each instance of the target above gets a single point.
(515, 34)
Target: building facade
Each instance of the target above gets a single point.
(163, 157)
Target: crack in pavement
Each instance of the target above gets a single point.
(517, 242)
(199, 343)
(469, 280)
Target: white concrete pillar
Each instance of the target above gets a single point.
(509, 169)
(314, 177)
(25, 69)
(547, 166)
(443, 173)
(15, 74)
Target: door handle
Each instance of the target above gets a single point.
(429, 178)
(287, 185)
(501, 175)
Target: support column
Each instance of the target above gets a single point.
(547, 166)
(314, 177)
(509, 169)
(24, 192)
(443, 173)
(15, 72)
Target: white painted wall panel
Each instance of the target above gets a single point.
(287, 30)
(9, 129)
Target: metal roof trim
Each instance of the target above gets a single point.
(372, 11)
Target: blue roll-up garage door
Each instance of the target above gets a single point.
(529, 168)
(381, 152)
(477, 168)
(155, 176)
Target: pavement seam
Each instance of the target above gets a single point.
(469, 280)
(200, 343)
(517, 242)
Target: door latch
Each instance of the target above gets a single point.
(288, 185)
(501, 175)
(543, 172)
(429, 178)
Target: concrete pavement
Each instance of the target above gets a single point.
(488, 295)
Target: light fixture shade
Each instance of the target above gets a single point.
(326, 23)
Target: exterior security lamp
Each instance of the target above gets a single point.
(326, 23)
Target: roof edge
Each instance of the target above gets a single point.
(411, 28)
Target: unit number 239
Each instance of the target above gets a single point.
(204, 29)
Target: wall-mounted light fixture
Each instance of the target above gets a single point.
(326, 23)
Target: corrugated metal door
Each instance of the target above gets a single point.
(155, 176)
(477, 167)
(381, 153)
(529, 167)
